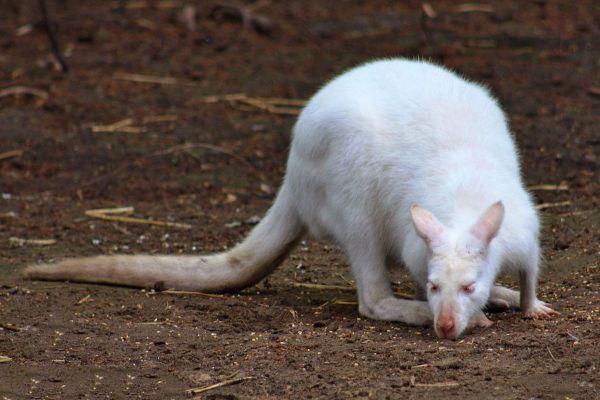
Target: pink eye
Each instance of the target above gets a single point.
(434, 288)
(468, 289)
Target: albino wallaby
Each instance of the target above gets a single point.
(394, 160)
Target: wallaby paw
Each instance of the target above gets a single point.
(479, 321)
(540, 310)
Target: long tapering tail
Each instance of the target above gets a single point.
(258, 255)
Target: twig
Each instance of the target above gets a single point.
(133, 220)
(427, 13)
(321, 286)
(322, 305)
(109, 215)
(345, 302)
(428, 10)
(404, 295)
(15, 241)
(42, 95)
(283, 101)
(551, 355)
(85, 299)
(112, 211)
(137, 4)
(208, 146)
(11, 154)
(273, 105)
(145, 23)
(182, 147)
(8, 215)
(259, 4)
(246, 15)
(10, 327)
(189, 17)
(4, 359)
(124, 129)
(114, 127)
(163, 80)
(122, 229)
(270, 107)
(474, 7)
(422, 366)
(51, 37)
(126, 125)
(222, 97)
(342, 277)
(544, 206)
(159, 118)
(437, 384)
(227, 382)
(550, 187)
(575, 213)
(344, 288)
(185, 292)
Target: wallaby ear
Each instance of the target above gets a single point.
(489, 223)
(426, 224)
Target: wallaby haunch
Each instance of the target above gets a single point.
(394, 161)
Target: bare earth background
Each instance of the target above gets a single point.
(67, 341)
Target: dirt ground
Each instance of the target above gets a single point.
(217, 165)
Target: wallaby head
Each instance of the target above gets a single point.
(458, 284)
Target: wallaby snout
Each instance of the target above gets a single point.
(446, 326)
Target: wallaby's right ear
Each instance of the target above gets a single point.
(426, 224)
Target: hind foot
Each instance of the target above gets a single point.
(540, 310)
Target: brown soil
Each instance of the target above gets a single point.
(70, 341)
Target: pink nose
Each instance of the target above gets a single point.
(445, 326)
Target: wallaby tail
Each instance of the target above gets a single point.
(246, 264)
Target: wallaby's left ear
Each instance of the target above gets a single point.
(489, 223)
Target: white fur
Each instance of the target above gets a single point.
(371, 144)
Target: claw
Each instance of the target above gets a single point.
(540, 310)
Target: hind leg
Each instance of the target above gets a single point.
(375, 297)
